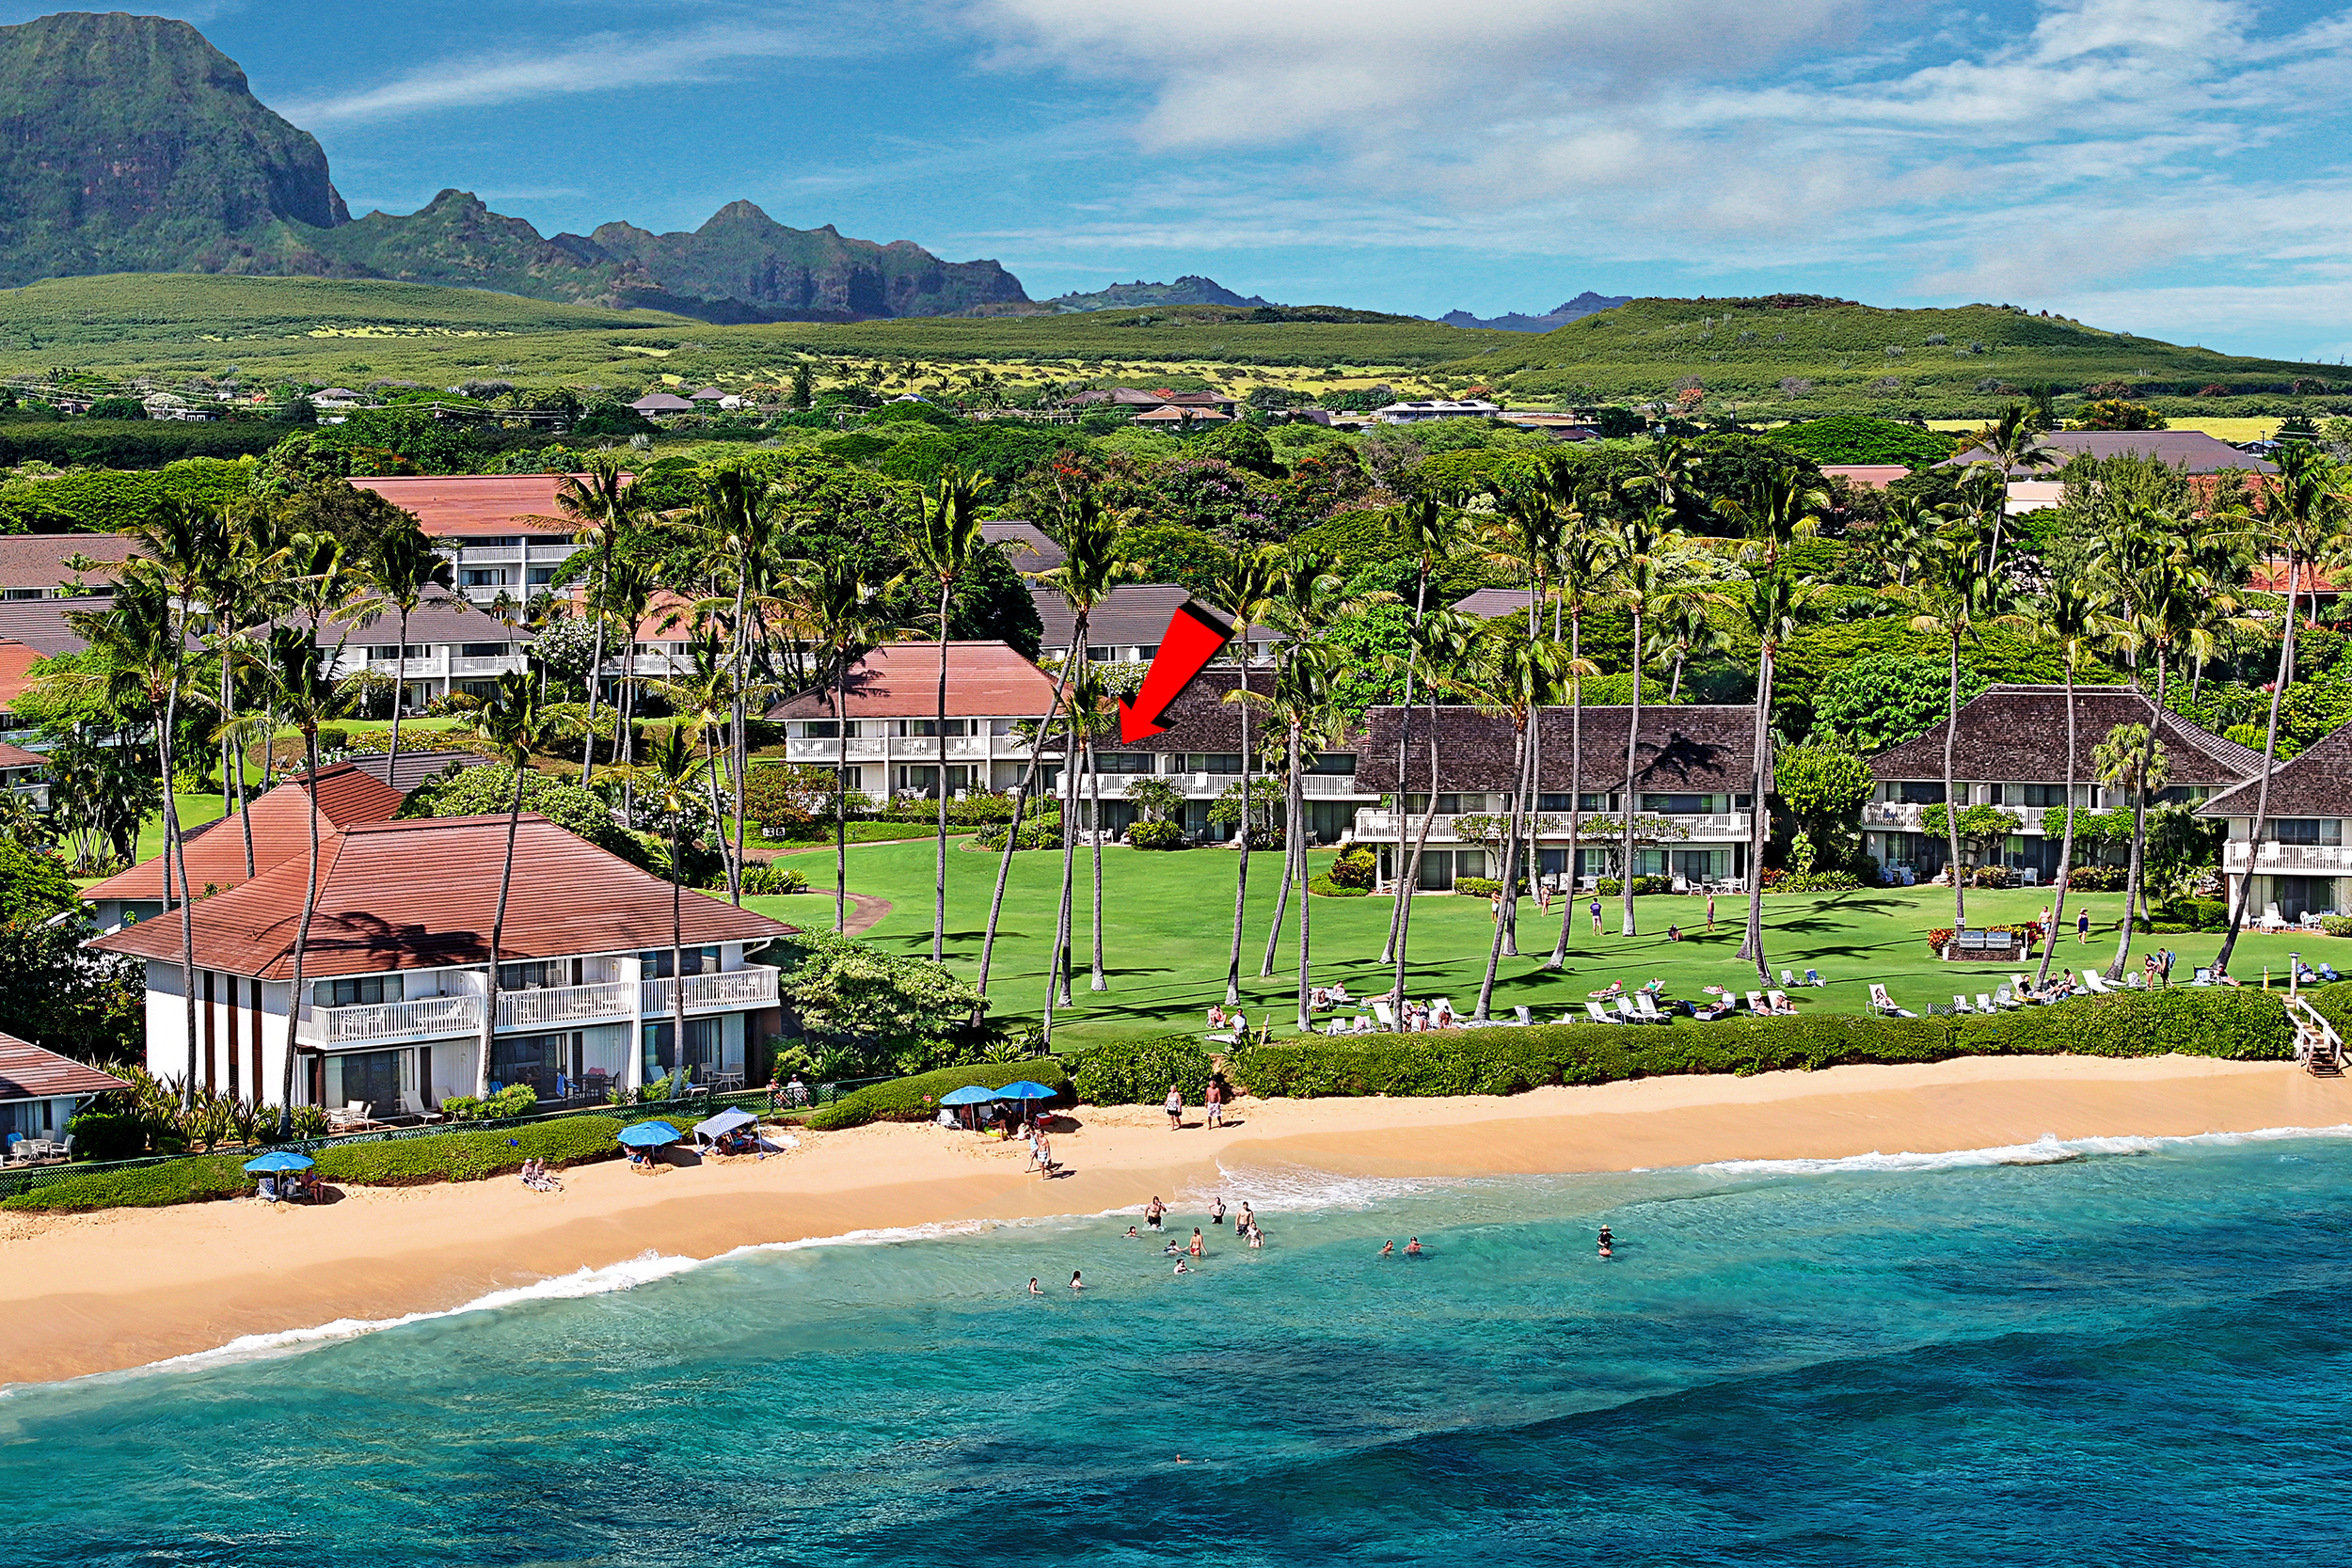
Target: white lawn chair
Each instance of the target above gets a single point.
(1885, 1005)
(1757, 1006)
(2094, 985)
(1985, 1003)
(1386, 1014)
(2271, 920)
(2008, 998)
(2022, 991)
(1645, 1005)
(1601, 1014)
(1787, 980)
(1960, 1004)
(1526, 1018)
(1624, 1011)
(1779, 999)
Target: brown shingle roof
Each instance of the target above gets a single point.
(1201, 720)
(38, 560)
(901, 681)
(2317, 782)
(1684, 750)
(28, 1071)
(1135, 615)
(41, 624)
(467, 505)
(2017, 735)
(421, 895)
(347, 794)
(1042, 554)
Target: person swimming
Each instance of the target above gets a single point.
(1033, 1288)
(1133, 1235)
(1076, 1283)
(1244, 1220)
(1389, 1251)
(1217, 1214)
(1181, 1268)
(1196, 1240)
(1412, 1248)
(1170, 1250)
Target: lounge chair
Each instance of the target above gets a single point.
(1722, 1009)
(1885, 1005)
(2203, 977)
(1387, 1015)
(1986, 1004)
(1787, 979)
(1526, 1018)
(2271, 920)
(1645, 1007)
(1756, 1003)
(1601, 1014)
(1626, 1013)
(1960, 1004)
(1781, 1005)
(2006, 998)
(2095, 984)
(1813, 977)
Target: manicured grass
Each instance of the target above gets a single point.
(194, 811)
(860, 833)
(1169, 921)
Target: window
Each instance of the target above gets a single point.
(702, 1045)
(1679, 805)
(533, 1059)
(360, 989)
(1001, 727)
(1123, 762)
(482, 577)
(1333, 762)
(1916, 792)
(539, 577)
(818, 729)
(2308, 830)
(533, 974)
(699, 960)
(484, 649)
(931, 727)
(386, 652)
(373, 1079)
(1213, 762)
(2036, 795)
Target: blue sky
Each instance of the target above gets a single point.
(2172, 167)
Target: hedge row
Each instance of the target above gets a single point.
(2238, 1024)
(394, 1163)
(917, 1099)
(1137, 1072)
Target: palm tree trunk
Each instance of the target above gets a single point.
(841, 796)
(498, 933)
(677, 968)
(301, 944)
(1292, 860)
(2066, 846)
(1094, 789)
(1306, 895)
(400, 693)
(1510, 876)
(1404, 748)
(740, 756)
(596, 664)
(2132, 889)
(1012, 835)
(939, 733)
(1760, 815)
(2239, 905)
(1951, 806)
(1632, 744)
(1074, 763)
(1522, 825)
(1412, 870)
(245, 820)
(1576, 790)
(1241, 873)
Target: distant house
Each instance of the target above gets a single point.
(1169, 413)
(660, 406)
(1436, 408)
(1865, 476)
(33, 565)
(707, 394)
(2192, 453)
(335, 400)
(2303, 864)
(1026, 545)
(2011, 755)
(1127, 626)
(504, 534)
(25, 773)
(39, 1089)
(454, 646)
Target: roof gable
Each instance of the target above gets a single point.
(28, 1071)
(2315, 783)
(2017, 735)
(280, 820)
(1684, 748)
(900, 680)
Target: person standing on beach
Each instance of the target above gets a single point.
(1152, 1211)
(1215, 1099)
(1244, 1220)
(1175, 1109)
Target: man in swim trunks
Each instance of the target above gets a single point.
(1152, 1211)
(1244, 1220)
(1412, 1248)
(1216, 1212)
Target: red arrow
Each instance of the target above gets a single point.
(1193, 638)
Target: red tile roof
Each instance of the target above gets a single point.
(421, 895)
(2270, 577)
(281, 831)
(16, 664)
(17, 756)
(1866, 476)
(901, 681)
(27, 1071)
(470, 505)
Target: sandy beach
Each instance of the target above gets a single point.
(87, 1293)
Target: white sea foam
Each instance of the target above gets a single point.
(2048, 1150)
(1281, 1187)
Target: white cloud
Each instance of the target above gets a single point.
(599, 63)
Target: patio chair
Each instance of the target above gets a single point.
(1722, 1009)
(1757, 1006)
(1787, 979)
(1526, 1018)
(2203, 977)
(2095, 984)
(1813, 977)
(1645, 1008)
(1885, 1005)
(1599, 1014)
(2271, 920)
(1779, 999)
(1387, 1015)
(1626, 1013)
(1960, 1004)
(1986, 1004)
(2005, 998)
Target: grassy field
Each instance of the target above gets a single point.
(1169, 923)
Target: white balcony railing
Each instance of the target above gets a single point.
(2290, 859)
(490, 555)
(861, 750)
(561, 1007)
(427, 1017)
(1716, 826)
(1891, 813)
(753, 986)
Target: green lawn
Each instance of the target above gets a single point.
(194, 811)
(1169, 921)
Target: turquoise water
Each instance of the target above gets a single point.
(2126, 1355)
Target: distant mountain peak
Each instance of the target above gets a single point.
(1559, 315)
(1191, 288)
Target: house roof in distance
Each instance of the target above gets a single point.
(2017, 735)
(1685, 749)
(900, 680)
(421, 894)
(346, 794)
(442, 616)
(415, 767)
(474, 505)
(41, 624)
(16, 664)
(17, 756)
(1865, 476)
(28, 1071)
(1201, 720)
(662, 403)
(1042, 554)
(1135, 615)
(38, 560)
(2189, 451)
(2315, 783)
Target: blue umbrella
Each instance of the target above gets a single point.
(284, 1159)
(975, 1094)
(1025, 1090)
(649, 1135)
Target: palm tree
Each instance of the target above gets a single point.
(1686, 629)
(1529, 524)
(395, 568)
(704, 700)
(1443, 647)
(1513, 678)
(2010, 443)
(1303, 704)
(1643, 587)
(624, 594)
(673, 771)
(738, 514)
(1248, 582)
(944, 547)
(1095, 714)
(601, 501)
(305, 694)
(515, 726)
(850, 620)
(1956, 590)
(1309, 595)
(2305, 516)
(2069, 618)
(1585, 552)
(1778, 512)
(1434, 533)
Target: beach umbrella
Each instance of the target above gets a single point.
(1025, 1090)
(284, 1159)
(649, 1135)
(973, 1094)
(725, 1122)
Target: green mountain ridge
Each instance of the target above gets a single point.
(130, 143)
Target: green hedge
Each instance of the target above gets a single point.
(2247, 1025)
(917, 1099)
(1137, 1072)
(393, 1163)
(1328, 888)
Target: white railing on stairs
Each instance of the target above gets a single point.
(2317, 1045)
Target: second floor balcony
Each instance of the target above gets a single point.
(1716, 827)
(539, 1009)
(2287, 860)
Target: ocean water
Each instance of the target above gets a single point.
(2120, 1351)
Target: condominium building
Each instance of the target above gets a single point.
(503, 534)
(2303, 864)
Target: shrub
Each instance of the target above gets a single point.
(774, 879)
(1323, 885)
(1608, 887)
(1477, 887)
(1355, 869)
(844, 992)
(1040, 831)
(108, 1134)
(449, 705)
(973, 811)
(2098, 878)
(148, 1187)
(1149, 836)
(1817, 881)
(1137, 1072)
(917, 1099)
(2336, 925)
(514, 1099)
